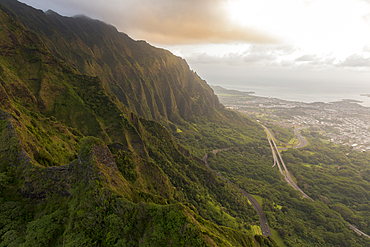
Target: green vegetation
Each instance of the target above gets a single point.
(298, 221)
(277, 238)
(257, 230)
(284, 137)
(223, 129)
(77, 168)
(151, 82)
(336, 176)
(258, 199)
(84, 163)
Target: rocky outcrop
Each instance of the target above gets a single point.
(151, 82)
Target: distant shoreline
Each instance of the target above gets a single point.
(222, 90)
(219, 90)
(351, 100)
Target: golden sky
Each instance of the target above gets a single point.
(337, 27)
(278, 36)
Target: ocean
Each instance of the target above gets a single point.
(294, 85)
(305, 92)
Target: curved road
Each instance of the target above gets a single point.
(302, 141)
(264, 226)
(276, 154)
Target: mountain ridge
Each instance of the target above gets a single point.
(78, 165)
(150, 81)
(102, 171)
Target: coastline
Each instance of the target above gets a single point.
(362, 99)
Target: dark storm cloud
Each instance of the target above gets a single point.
(163, 21)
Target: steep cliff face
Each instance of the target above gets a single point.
(77, 168)
(149, 81)
(88, 203)
(80, 167)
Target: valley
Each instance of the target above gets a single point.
(344, 122)
(337, 120)
(264, 225)
(109, 141)
(280, 163)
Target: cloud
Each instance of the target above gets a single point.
(316, 60)
(255, 54)
(356, 60)
(306, 58)
(366, 48)
(366, 18)
(283, 56)
(163, 21)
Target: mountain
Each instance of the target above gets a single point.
(78, 168)
(103, 141)
(151, 82)
(221, 91)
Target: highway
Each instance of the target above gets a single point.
(280, 162)
(302, 141)
(288, 178)
(276, 155)
(358, 231)
(264, 226)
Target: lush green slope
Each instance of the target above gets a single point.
(75, 205)
(149, 81)
(335, 175)
(247, 162)
(59, 187)
(132, 183)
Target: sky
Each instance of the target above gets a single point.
(248, 43)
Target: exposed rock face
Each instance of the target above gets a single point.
(324, 199)
(151, 82)
(94, 160)
(61, 179)
(10, 138)
(104, 156)
(59, 186)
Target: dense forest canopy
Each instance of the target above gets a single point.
(102, 139)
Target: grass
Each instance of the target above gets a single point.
(277, 238)
(294, 179)
(257, 230)
(218, 213)
(293, 141)
(258, 199)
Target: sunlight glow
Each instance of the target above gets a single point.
(337, 26)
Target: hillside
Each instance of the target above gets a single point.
(101, 140)
(151, 82)
(77, 168)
